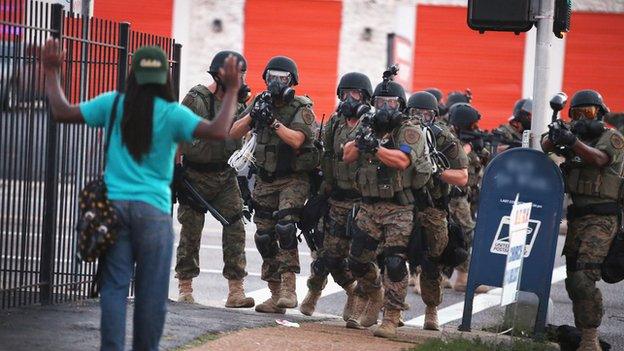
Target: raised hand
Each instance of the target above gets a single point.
(231, 73)
(51, 56)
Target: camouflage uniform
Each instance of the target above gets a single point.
(385, 219)
(461, 207)
(206, 167)
(340, 178)
(434, 218)
(509, 133)
(282, 187)
(592, 225)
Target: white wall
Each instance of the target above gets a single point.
(192, 27)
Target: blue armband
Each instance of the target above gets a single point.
(405, 148)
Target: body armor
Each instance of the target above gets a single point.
(274, 157)
(203, 102)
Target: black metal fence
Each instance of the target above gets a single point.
(43, 165)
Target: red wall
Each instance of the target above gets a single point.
(306, 31)
(151, 16)
(594, 57)
(450, 56)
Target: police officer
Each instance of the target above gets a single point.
(355, 92)
(392, 161)
(592, 170)
(205, 163)
(464, 119)
(520, 121)
(453, 98)
(451, 169)
(284, 155)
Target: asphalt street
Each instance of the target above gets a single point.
(210, 288)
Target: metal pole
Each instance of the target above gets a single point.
(46, 278)
(541, 78)
(122, 67)
(177, 66)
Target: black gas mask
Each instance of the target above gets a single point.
(281, 92)
(587, 129)
(386, 119)
(352, 108)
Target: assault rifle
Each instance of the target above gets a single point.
(187, 194)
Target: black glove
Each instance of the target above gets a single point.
(559, 135)
(367, 143)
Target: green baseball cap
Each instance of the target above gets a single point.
(150, 65)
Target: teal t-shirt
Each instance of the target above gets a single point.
(150, 180)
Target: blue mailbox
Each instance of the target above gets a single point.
(536, 179)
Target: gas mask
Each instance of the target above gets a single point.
(281, 92)
(587, 129)
(350, 107)
(424, 116)
(386, 119)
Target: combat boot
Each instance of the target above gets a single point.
(462, 281)
(416, 287)
(359, 306)
(431, 318)
(589, 340)
(309, 303)
(270, 305)
(388, 327)
(347, 311)
(185, 291)
(288, 294)
(412, 279)
(375, 303)
(236, 296)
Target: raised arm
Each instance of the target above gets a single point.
(52, 60)
(219, 127)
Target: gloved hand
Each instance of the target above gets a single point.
(367, 143)
(560, 135)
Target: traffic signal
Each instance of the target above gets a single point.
(500, 15)
(563, 12)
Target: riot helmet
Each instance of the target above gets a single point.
(522, 112)
(462, 116)
(587, 98)
(435, 92)
(284, 64)
(389, 102)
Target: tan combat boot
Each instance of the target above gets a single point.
(431, 318)
(309, 303)
(288, 294)
(388, 327)
(375, 303)
(411, 281)
(589, 340)
(416, 287)
(347, 311)
(359, 306)
(185, 291)
(236, 296)
(462, 281)
(270, 306)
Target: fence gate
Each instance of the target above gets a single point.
(43, 165)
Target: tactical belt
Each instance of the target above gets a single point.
(262, 211)
(344, 194)
(604, 209)
(206, 167)
(373, 200)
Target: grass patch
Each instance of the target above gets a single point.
(198, 341)
(460, 344)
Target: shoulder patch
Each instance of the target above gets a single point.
(308, 116)
(453, 151)
(617, 141)
(412, 136)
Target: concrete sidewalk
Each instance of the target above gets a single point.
(75, 326)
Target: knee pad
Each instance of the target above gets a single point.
(396, 268)
(266, 244)
(358, 269)
(286, 235)
(580, 286)
(361, 241)
(319, 267)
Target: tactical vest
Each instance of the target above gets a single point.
(591, 184)
(376, 180)
(274, 157)
(343, 174)
(202, 150)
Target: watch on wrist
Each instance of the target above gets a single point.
(275, 125)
